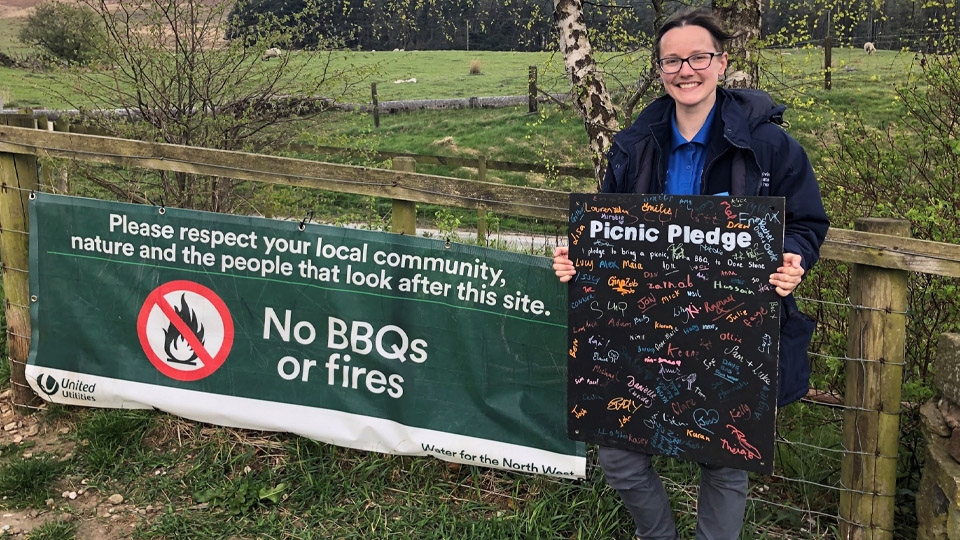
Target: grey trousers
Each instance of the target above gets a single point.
(720, 505)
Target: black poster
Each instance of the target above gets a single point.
(674, 327)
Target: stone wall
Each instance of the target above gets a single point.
(938, 502)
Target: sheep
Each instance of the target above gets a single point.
(869, 48)
(272, 52)
(737, 77)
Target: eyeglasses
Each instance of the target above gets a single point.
(697, 61)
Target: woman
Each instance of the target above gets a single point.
(700, 139)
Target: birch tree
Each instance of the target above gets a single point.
(590, 93)
(742, 19)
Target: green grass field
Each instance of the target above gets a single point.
(556, 136)
(9, 29)
(438, 74)
(858, 80)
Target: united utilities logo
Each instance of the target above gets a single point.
(67, 388)
(48, 384)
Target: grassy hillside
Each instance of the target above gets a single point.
(447, 74)
(9, 28)
(438, 74)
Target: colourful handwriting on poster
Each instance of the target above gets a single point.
(673, 326)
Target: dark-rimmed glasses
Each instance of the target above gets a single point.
(697, 62)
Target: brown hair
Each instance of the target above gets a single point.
(702, 17)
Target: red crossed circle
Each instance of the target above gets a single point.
(158, 308)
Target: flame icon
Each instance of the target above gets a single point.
(188, 342)
(175, 345)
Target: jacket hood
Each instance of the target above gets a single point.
(758, 107)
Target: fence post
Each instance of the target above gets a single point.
(404, 212)
(874, 372)
(532, 89)
(828, 53)
(481, 210)
(61, 184)
(376, 105)
(18, 177)
(62, 124)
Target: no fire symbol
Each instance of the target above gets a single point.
(185, 330)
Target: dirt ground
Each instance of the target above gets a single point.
(97, 515)
(16, 8)
(23, 8)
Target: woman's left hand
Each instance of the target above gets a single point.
(789, 275)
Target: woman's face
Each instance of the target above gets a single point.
(690, 88)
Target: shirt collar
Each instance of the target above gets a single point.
(701, 137)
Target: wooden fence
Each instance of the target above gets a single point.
(879, 251)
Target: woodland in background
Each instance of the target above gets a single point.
(615, 25)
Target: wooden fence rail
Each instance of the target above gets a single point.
(852, 246)
(420, 188)
(881, 256)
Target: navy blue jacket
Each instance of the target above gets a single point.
(749, 154)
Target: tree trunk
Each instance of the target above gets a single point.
(742, 19)
(649, 77)
(591, 97)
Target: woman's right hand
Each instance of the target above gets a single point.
(562, 265)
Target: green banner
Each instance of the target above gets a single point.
(363, 339)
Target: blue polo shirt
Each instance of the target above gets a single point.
(687, 158)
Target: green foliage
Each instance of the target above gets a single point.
(927, 26)
(491, 228)
(54, 530)
(4, 371)
(28, 482)
(108, 438)
(901, 169)
(248, 18)
(64, 32)
(165, 61)
(214, 482)
(448, 225)
(518, 25)
(905, 171)
(882, 155)
(240, 495)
